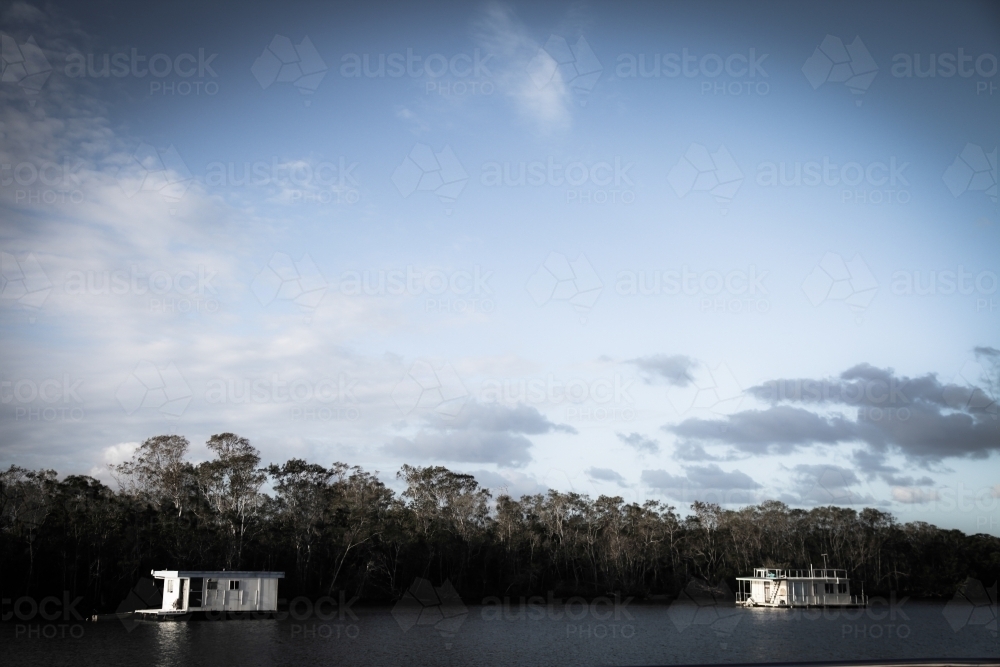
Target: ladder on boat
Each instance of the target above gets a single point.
(774, 592)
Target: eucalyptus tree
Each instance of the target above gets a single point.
(361, 504)
(231, 483)
(303, 495)
(157, 472)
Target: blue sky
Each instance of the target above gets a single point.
(253, 239)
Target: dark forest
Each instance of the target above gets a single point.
(340, 530)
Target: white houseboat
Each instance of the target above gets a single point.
(772, 587)
(198, 591)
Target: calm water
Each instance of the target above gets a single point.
(641, 635)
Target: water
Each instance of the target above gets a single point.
(640, 635)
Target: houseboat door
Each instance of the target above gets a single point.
(195, 598)
(798, 591)
(181, 594)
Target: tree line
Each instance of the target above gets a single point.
(341, 529)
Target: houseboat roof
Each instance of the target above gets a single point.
(219, 574)
(811, 573)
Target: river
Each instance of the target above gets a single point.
(518, 633)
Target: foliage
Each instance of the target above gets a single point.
(340, 528)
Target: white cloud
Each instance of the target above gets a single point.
(501, 33)
(912, 495)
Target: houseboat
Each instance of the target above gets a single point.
(189, 592)
(772, 587)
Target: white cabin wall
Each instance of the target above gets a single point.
(269, 595)
(213, 600)
(170, 597)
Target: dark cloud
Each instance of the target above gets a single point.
(823, 484)
(922, 418)
(640, 442)
(779, 429)
(496, 418)
(500, 448)
(692, 451)
(872, 465)
(479, 434)
(675, 369)
(606, 475)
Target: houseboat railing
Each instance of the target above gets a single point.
(831, 599)
(819, 573)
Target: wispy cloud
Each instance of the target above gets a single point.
(500, 32)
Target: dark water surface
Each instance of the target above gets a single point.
(640, 635)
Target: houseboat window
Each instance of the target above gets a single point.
(212, 585)
(829, 588)
(170, 585)
(234, 584)
(842, 588)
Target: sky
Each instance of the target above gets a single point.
(710, 251)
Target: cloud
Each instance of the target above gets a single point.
(708, 482)
(119, 453)
(640, 442)
(777, 430)
(922, 418)
(676, 369)
(494, 417)
(478, 434)
(500, 33)
(914, 495)
(985, 351)
(606, 475)
(691, 451)
(873, 464)
(502, 449)
(824, 484)
(513, 483)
